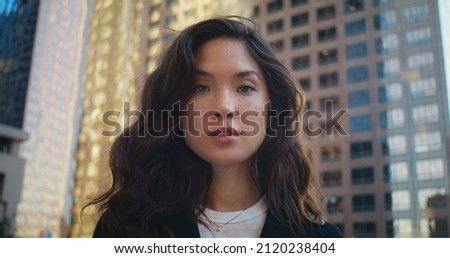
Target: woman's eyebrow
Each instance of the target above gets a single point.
(242, 74)
(204, 73)
(247, 73)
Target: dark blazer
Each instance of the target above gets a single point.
(183, 228)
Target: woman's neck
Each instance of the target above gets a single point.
(232, 189)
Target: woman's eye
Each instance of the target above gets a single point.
(245, 89)
(201, 88)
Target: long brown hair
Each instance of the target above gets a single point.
(155, 175)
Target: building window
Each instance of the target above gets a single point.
(298, 20)
(360, 123)
(168, 36)
(327, 56)
(388, 201)
(351, 6)
(421, 60)
(326, 34)
(361, 149)
(308, 105)
(356, 50)
(335, 204)
(2, 184)
(423, 87)
(437, 201)
(170, 19)
(427, 141)
(328, 80)
(295, 3)
(192, 12)
(275, 26)
(418, 37)
(363, 202)
(5, 145)
(394, 145)
(435, 227)
(355, 27)
(274, 6)
(428, 113)
(416, 12)
(300, 63)
(392, 118)
(398, 200)
(390, 232)
(430, 169)
(171, 3)
(402, 228)
(365, 229)
(329, 103)
(385, 20)
(330, 153)
(359, 98)
(390, 92)
(256, 11)
(154, 24)
(388, 68)
(362, 176)
(431, 197)
(305, 83)
(386, 44)
(300, 41)
(358, 74)
(380, 3)
(396, 172)
(278, 45)
(325, 13)
(332, 178)
(155, 7)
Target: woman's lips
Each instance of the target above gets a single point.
(223, 131)
(224, 134)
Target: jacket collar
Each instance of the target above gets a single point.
(184, 228)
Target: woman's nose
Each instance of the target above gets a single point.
(226, 104)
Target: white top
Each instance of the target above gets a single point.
(243, 223)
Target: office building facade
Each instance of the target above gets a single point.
(381, 61)
(115, 65)
(17, 31)
(51, 116)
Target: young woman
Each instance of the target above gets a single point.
(218, 149)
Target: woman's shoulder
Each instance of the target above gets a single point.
(323, 229)
(309, 229)
(108, 226)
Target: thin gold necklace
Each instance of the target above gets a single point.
(218, 227)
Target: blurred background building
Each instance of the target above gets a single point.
(115, 64)
(385, 175)
(49, 37)
(17, 31)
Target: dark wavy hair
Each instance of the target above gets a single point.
(155, 175)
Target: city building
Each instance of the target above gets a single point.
(51, 118)
(382, 61)
(17, 30)
(115, 65)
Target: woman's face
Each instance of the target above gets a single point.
(226, 117)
